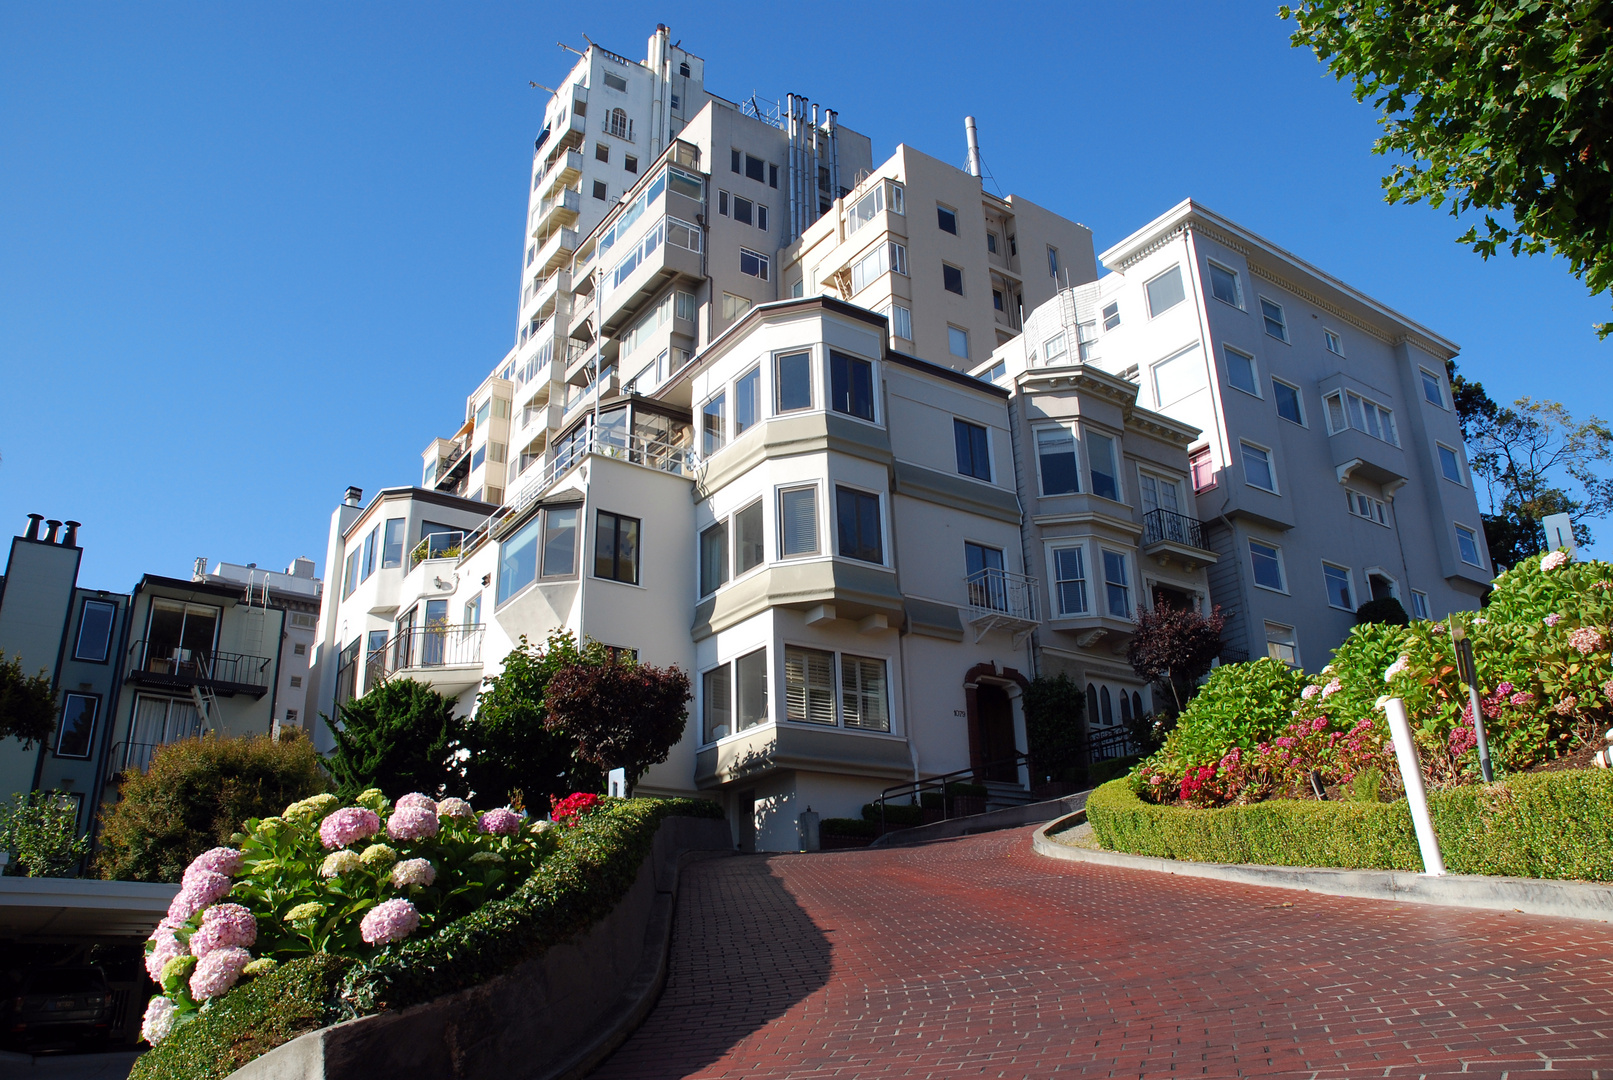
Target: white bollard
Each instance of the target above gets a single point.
(1411, 772)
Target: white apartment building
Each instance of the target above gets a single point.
(1331, 470)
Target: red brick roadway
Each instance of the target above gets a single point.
(976, 957)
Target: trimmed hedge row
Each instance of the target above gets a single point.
(573, 889)
(1541, 825)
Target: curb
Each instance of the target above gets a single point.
(1531, 896)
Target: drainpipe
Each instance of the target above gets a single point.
(901, 649)
(813, 186)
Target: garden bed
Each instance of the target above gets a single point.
(591, 870)
(1550, 824)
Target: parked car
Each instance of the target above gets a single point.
(57, 1004)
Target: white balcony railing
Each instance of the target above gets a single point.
(999, 600)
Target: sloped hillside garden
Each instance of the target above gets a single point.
(1269, 765)
(328, 912)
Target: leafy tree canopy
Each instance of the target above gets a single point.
(401, 736)
(1054, 705)
(619, 714)
(1499, 105)
(27, 704)
(1175, 647)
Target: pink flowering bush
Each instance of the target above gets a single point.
(319, 878)
(1545, 671)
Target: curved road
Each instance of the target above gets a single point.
(976, 957)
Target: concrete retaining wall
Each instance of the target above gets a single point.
(554, 1017)
(1532, 896)
(1011, 817)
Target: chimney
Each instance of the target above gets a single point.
(198, 569)
(50, 537)
(974, 145)
(353, 496)
(33, 526)
(71, 539)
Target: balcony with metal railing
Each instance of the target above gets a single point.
(565, 168)
(557, 212)
(1167, 533)
(999, 600)
(448, 658)
(436, 545)
(164, 664)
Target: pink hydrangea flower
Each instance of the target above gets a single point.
(348, 825)
(168, 947)
(388, 921)
(1567, 705)
(412, 822)
(1607, 689)
(413, 872)
(218, 971)
(1553, 619)
(456, 808)
(220, 860)
(1521, 698)
(1587, 639)
(414, 798)
(1319, 723)
(1333, 686)
(501, 822)
(224, 925)
(1397, 668)
(158, 1021)
(1503, 689)
(197, 891)
(1310, 692)
(1553, 560)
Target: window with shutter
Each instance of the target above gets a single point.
(798, 522)
(809, 685)
(862, 693)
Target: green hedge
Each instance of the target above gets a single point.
(1543, 825)
(846, 826)
(572, 890)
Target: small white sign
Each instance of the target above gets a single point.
(617, 782)
(1560, 533)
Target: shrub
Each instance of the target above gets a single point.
(620, 714)
(1541, 825)
(590, 870)
(1240, 705)
(196, 794)
(1053, 710)
(847, 826)
(27, 703)
(40, 831)
(1383, 610)
(896, 815)
(399, 737)
(1175, 647)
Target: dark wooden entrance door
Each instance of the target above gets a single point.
(995, 715)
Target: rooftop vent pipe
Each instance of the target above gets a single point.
(353, 496)
(33, 526)
(71, 539)
(50, 537)
(974, 145)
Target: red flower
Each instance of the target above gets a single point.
(573, 806)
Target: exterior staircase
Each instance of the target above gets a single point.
(1001, 795)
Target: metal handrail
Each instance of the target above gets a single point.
(915, 789)
(1000, 592)
(1168, 525)
(420, 647)
(196, 665)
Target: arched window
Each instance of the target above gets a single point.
(1136, 704)
(1092, 704)
(1108, 706)
(618, 123)
(1125, 708)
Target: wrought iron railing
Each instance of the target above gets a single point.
(164, 661)
(998, 592)
(430, 647)
(1106, 743)
(1167, 525)
(952, 804)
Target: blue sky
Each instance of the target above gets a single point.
(254, 253)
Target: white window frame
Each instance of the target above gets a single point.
(1282, 570)
(831, 539)
(783, 713)
(1378, 510)
(1036, 449)
(1463, 530)
(1148, 300)
(1128, 585)
(1281, 320)
(1299, 399)
(1237, 284)
(1460, 479)
(1271, 466)
(951, 350)
(764, 261)
(1332, 341)
(1228, 352)
(1118, 463)
(1439, 386)
(1349, 583)
(1419, 605)
(1053, 549)
(1344, 396)
(817, 520)
(1292, 643)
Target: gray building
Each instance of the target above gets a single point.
(1331, 468)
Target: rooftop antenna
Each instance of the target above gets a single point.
(973, 136)
(540, 86)
(591, 43)
(568, 48)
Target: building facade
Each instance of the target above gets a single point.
(1331, 469)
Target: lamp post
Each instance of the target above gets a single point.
(1467, 671)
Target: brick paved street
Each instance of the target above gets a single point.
(976, 957)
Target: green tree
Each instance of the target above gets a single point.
(401, 736)
(1535, 460)
(1053, 709)
(512, 747)
(195, 794)
(27, 703)
(1499, 105)
(618, 714)
(40, 831)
